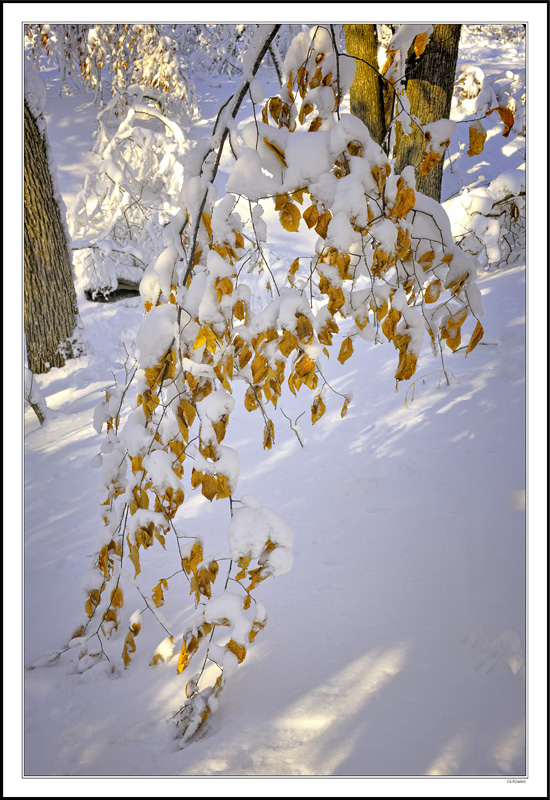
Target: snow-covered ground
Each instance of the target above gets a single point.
(396, 646)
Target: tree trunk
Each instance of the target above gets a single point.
(367, 89)
(430, 84)
(50, 310)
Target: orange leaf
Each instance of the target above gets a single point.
(506, 116)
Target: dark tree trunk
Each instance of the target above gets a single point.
(430, 84)
(50, 309)
(367, 99)
(430, 87)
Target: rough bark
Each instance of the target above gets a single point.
(50, 308)
(430, 83)
(367, 89)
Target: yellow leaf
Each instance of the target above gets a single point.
(260, 369)
(430, 160)
(344, 410)
(406, 366)
(304, 329)
(207, 220)
(288, 343)
(477, 336)
(389, 324)
(117, 598)
(240, 310)
(158, 594)
(476, 136)
(191, 562)
(318, 408)
(311, 216)
(222, 488)
(275, 105)
(336, 299)
(304, 366)
(236, 649)
(432, 291)
(251, 402)
(298, 195)
(184, 658)
(346, 350)
(279, 152)
(322, 225)
(404, 200)
(427, 257)
(269, 435)
(290, 217)
(209, 487)
(507, 118)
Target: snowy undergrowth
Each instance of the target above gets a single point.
(392, 648)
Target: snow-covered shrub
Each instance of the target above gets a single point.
(382, 267)
(489, 222)
(130, 195)
(110, 58)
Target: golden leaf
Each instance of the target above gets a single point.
(269, 435)
(315, 125)
(346, 350)
(477, 336)
(304, 365)
(476, 136)
(260, 368)
(117, 598)
(207, 220)
(158, 594)
(290, 217)
(287, 343)
(311, 216)
(279, 152)
(318, 408)
(209, 487)
(322, 224)
(298, 195)
(404, 200)
(406, 366)
(389, 324)
(344, 410)
(507, 118)
(327, 332)
(381, 311)
(236, 649)
(184, 658)
(274, 105)
(432, 291)
(430, 160)
(336, 299)
(188, 410)
(240, 310)
(256, 628)
(294, 266)
(304, 329)
(190, 563)
(380, 175)
(222, 487)
(251, 402)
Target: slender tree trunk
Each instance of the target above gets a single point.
(367, 89)
(430, 83)
(50, 309)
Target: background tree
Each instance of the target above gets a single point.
(429, 79)
(50, 309)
